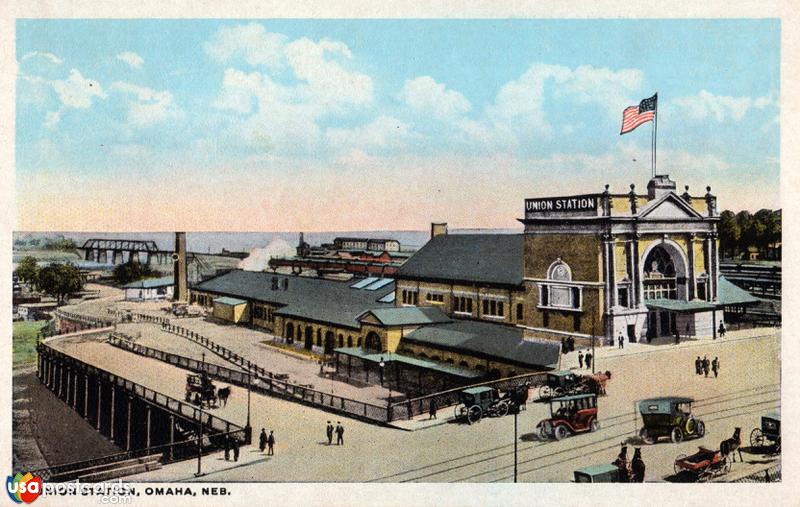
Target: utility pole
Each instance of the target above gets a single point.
(516, 412)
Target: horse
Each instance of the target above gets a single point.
(731, 445)
(622, 463)
(637, 465)
(223, 393)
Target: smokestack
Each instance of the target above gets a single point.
(438, 229)
(181, 292)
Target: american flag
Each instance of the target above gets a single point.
(634, 116)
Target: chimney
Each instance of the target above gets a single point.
(659, 186)
(181, 292)
(438, 229)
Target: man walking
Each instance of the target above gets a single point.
(329, 432)
(432, 409)
(715, 366)
(580, 359)
(262, 440)
(620, 340)
(227, 442)
(339, 433)
(721, 330)
(271, 444)
(588, 360)
(235, 449)
(705, 365)
(698, 366)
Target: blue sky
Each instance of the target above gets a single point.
(257, 123)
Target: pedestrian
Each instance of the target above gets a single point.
(432, 409)
(677, 337)
(339, 433)
(715, 366)
(262, 440)
(621, 340)
(227, 443)
(571, 344)
(588, 360)
(271, 444)
(721, 330)
(698, 366)
(329, 432)
(580, 359)
(563, 345)
(705, 365)
(235, 449)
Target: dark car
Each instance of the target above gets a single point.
(669, 417)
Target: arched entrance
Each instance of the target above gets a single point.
(373, 342)
(664, 276)
(289, 333)
(309, 338)
(329, 345)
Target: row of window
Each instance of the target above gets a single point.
(263, 313)
(409, 297)
(493, 308)
(434, 298)
(462, 304)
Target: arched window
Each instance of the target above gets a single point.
(559, 271)
(349, 341)
(464, 364)
(290, 332)
(358, 341)
(559, 294)
(660, 280)
(373, 342)
(341, 341)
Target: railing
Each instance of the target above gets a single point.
(218, 349)
(771, 474)
(168, 453)
(264, 384)
(407, 409)
(126, 316)
(173, 405)
(85, 319)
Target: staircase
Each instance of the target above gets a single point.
(113, 470)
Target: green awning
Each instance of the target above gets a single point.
(729, 294)
(411, 361)
(677, 305)
(230, 301)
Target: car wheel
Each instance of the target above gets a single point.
(560, 432)
(594, 426)
(474, 414)
(676, 435)
(558, 391)
(542, 433)
(501, 409)
(701, 429)
(756, 438)
(545, 392)
(646, 437)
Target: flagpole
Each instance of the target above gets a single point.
(655, 130)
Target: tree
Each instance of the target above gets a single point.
(131, 271)
(729, 234)
(27, 270)
(60, 280)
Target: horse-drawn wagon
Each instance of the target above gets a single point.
(768, 436)
(703, 465)
(566, 382)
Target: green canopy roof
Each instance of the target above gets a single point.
(677, 305)
(412, 361)
(230, 301)
(729, 294)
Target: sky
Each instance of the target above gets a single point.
(288, 125)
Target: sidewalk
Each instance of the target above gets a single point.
(570, 361)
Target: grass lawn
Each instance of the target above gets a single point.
(25, 341)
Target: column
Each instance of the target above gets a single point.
(128, 432)
(692, 272)
(715, 266)
(709, 268)
(638, 286)
(60, 380)
(171, 436)
(147, 410)
(113, 410)
(612, 273)
(99, 402)
(86, 396)
(75, 390)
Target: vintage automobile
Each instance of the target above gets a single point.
(599, 473)
(575, 414)
(477, 402)
(770, 431)
(669, 417)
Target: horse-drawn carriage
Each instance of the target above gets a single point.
(565, 382)
(703, 465)
(669, 417)
(200, 388)
(768, 436)
(478, 402)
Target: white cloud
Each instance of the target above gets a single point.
(329, 83)
(250, 42)
(151, 106)
(51, 120)
(384, 133)
(131, 58)
(424, 95)
(77, 91)
(48, 56)
(238, 91)
(721, 107)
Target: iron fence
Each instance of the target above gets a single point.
(85, 319)
(771, 474)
